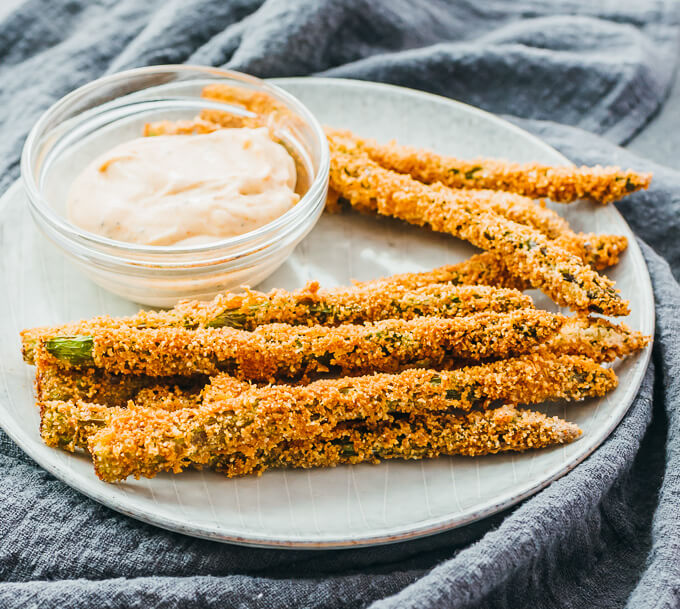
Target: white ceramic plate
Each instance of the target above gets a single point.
(345, 506)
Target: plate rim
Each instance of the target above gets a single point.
(101, 492)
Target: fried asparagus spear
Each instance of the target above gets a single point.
(69, 425)
(561, 184)
(195, 126)
(312, 305)
(599, 251)
(308, 306)
(283, 351)
(486, 268)
(144, 441)
(475, 433)
(525, 251)
(207, 122)
(525, 379)
(280, 351)
(472, 434)
(211, 119)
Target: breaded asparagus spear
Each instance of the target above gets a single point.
(561, 184)
(283, 351)
(357, 304)
(207, 122)
(221, 119)
(525, 252)
(475, 433)
(211, 119)
(486, 268)
(121, 449)
(169, 397)
(308, 306)
(69, 424)
(598, 251)
(88, 384)
(526, 379)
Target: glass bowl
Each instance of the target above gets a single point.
(115, 108)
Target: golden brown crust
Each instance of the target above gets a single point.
(561, 184)
(331, 307)
(168, 397)
(598, 251)
(526, 379)
(137, 443)
(525, 251)
(282, 351)
(473, 434)
(88, 384)
(56, 383)
(221, 119)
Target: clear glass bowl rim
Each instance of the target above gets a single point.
(273, 229)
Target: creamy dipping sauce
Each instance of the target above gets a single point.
(185, 189)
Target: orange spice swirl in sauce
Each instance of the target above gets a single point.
(185, 190)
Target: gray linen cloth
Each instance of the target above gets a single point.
(605, 535)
